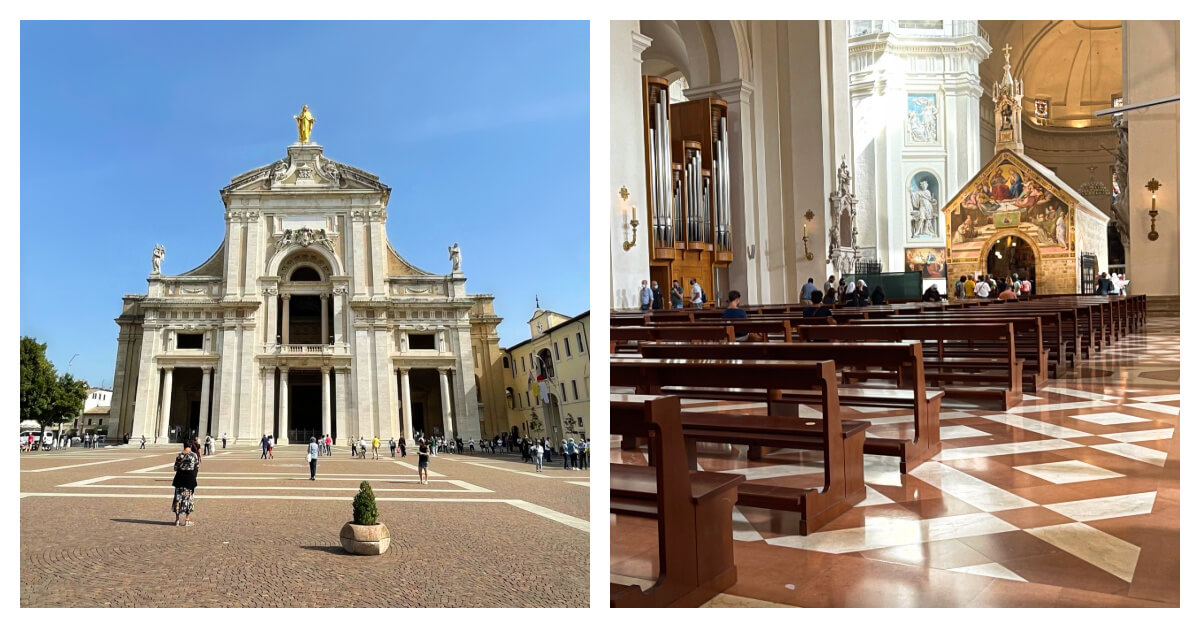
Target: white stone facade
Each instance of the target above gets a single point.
(304, 322)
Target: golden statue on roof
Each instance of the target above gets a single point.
(304, 123)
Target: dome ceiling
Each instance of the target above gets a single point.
(1074, 64)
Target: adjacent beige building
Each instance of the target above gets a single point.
(557, 351)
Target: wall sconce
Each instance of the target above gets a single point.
(629, 244)
(1153, 186)
(808, 216)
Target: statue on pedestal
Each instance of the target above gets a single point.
(455, 258)
(304, 123)
(156, 259)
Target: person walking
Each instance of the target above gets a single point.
(403, 448)
(224, 439)
(572, 454)
(392, 446)
(187, 466)
(423, 463)
(208, 445)
(143, 446)
(314, 451)
(645, 296)
(328, 445)
(375, 448)
(271, 447)
(697, 294)
(353, 448)
(362, 447)
(586, 456)
(538, 450)
(566, 456)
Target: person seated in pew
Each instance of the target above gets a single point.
(877, 296)
(816, 309)
(932, 295)
(1007, 293)
(735, 311)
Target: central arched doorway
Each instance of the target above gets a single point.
(1012, 255)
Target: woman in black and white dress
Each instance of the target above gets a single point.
(187, 465)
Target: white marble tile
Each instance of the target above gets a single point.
(1157, 399)
(1156, 407)
(1068, 471)
(732, 407)
(1005, 449)
(874, 498)
(1082, 394)
(881, 470)
(883, 532)
(1029, 397)
(1054, 407)
(995, 570)
(1033, 425)
(968, 488)
(949, 432)
(742, 530)
(1165, 433)
(1101, 549)
(1106, 507)
(1135, 452)
(1109, 418)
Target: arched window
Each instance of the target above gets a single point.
(305, 273)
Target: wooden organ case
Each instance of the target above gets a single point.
(687, 178)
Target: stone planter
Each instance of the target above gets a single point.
(365, 540)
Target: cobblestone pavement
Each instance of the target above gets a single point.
(96, 530)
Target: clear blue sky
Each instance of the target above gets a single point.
(129, 129)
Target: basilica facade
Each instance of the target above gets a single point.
(305, 321)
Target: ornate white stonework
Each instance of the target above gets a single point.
(246, 344)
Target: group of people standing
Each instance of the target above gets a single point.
(989, 287)
(576, 456)
(650, 297)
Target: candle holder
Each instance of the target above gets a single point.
(629, 244)
(808, 216)
(1153, 186)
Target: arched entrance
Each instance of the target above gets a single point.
(1012, 255)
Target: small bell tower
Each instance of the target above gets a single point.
(1007, 94)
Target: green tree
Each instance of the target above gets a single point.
(535, 424)
(47, 397)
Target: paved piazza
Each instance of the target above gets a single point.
(97, 530)
(1069, 499)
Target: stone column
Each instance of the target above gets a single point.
(272, 300)
(324, 319)
(447, 418)
(268, 400)
(164, 420)
(205, 393)
(282, 437)
(287, 311)
(340, 400)
(339, 316)
(325, 417)
(406, 407)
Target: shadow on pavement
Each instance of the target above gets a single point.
(146, 521)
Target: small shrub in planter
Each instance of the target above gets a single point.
(365, 535)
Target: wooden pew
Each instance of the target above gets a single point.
(694, 509)
(620, 337)
(904, 359)
(1003, 373)
(841, 446)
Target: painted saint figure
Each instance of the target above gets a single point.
(157, 258)
(304, 123)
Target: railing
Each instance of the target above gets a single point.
(305, 349)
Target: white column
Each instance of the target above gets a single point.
(286, 304)
(447, 419)
(165, 415)
(272, 301)
(325, 418)
(324, 319)
(340, 400)
(282, 437)
(205, 393)
(339, 316)
(406, 406)
(268, 400)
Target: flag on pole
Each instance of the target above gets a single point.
(543, 389)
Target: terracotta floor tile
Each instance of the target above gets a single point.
(1008, 546)
(1066, 571)
(1032, 517)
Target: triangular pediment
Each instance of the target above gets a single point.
(305, 168)
(1013, 192)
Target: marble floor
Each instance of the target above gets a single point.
(1069, 499)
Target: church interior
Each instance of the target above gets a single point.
(937, 444)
